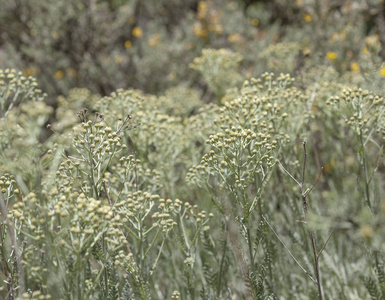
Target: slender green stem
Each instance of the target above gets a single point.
(157, 258)
(141, 242)
(102, 268)
(249, 241)
(184, 234)
(105, 262)
(78, 270)
(152, 243)
(288, 251)
(195, 238)
(224, 252)
(2, 239)
(305, 210)
(364, 162)
(133, 233)
(13, 237)
(91, 165)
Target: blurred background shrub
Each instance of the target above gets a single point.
(111, 44)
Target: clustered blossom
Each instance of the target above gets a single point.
(13, 83)
(282, 56)
(361, 109)
(263, 105)
(8, 185)
(129, 174)
(252, 127)
(92, 195)
(240, 153)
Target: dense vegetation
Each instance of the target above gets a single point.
(192, 149)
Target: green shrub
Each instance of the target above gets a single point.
(182, 160)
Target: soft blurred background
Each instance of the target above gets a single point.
(149, 45)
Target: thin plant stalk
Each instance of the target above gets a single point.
(305, 210)
(15, 246)
(316, 254)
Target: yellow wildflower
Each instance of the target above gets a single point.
(366, 231)
(372, 41)
(202, 5)
(59, 74)
(382, 71)
(199, 31)
(306, 51)
(218, 28)
(118, 59)
(331, 55)
(202, 10)
(354, 66)
(30, 71)
(127, 44)
(329, 166)
(235, 38)
(255, 22)
(307, 18)
(154, 40)
(137, 32)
